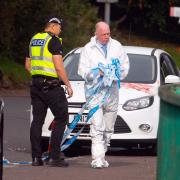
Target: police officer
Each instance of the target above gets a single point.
(45, 65)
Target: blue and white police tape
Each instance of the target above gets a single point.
(77, 118)
(71, 140)
(90, 114)
(7, 162)
(111, 73)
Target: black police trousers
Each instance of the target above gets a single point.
(55, 99)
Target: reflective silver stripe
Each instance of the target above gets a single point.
(43, 69)
(41, 58)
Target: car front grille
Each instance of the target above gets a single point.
(119, 127)
(79, 126)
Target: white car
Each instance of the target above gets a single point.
(138, 112)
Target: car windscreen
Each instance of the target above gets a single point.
(71, 65)
(142, 68)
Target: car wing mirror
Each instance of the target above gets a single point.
(172, 79)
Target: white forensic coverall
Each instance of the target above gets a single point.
(102, 122)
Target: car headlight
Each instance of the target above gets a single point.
(139, 103)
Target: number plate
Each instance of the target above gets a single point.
(82, 120)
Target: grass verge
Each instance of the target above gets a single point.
(14, 74)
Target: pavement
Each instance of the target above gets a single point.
(121, 168)
(14, 92)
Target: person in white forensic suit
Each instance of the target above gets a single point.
(102, 49)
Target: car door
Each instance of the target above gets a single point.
(167, 67)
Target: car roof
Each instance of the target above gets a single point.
(130, 50)
(139, 50)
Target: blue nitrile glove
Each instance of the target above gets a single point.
(95, 72)
(92, 74)
(109, 73)
(107, 78)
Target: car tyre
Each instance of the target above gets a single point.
(154, 150)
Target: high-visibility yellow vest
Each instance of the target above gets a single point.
(41, 58)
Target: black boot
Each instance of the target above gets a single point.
(58, 163)
(37, 162)
(46, 154)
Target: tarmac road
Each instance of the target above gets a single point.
(124, 164)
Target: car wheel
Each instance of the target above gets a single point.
(154, 150)
(78, 149)
(72, 150)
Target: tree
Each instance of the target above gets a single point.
(151, 17)
(21, 19)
